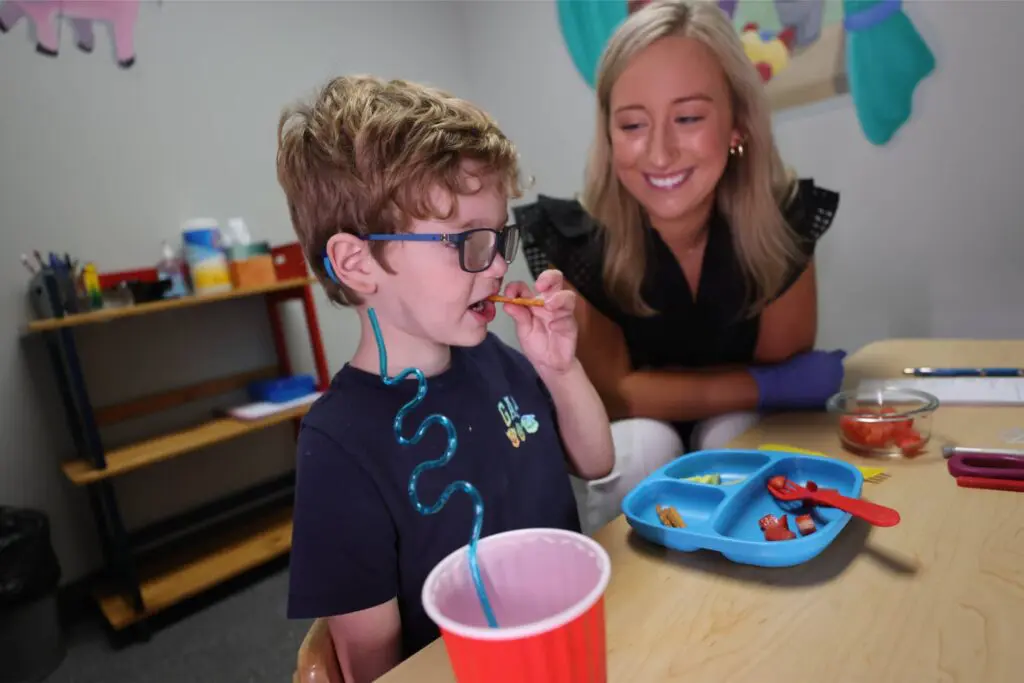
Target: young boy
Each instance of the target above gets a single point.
(402, 192)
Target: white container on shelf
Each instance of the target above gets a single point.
(207, 264)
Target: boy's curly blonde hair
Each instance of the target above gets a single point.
(365, 154)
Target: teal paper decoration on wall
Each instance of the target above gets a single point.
(881, 56)
(887, 59)
(586, 27)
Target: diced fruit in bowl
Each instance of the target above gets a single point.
(892, 422)
(899, 432)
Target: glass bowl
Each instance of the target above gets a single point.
(888, 422)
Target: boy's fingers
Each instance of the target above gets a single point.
(519, 314)
(518, 290)
(550, 281)
(563, 324)
(561, 302)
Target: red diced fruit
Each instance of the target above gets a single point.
(903, 427)
(805, 524)
(776, 529)
(900, 433)
(875, 435)
(910, 444)
(778, 533)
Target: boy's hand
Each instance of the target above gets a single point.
(546, 334)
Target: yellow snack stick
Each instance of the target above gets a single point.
(675, 519)
(670, 517)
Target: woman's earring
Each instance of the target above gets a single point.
(736, 150)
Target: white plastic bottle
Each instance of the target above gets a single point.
(172, 267)
(208, 266)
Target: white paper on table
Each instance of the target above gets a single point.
(993, 391)
(258, 411)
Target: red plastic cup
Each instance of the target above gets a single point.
(546, 587)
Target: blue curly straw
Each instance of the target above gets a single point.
(453, 442)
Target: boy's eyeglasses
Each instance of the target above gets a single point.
(477, 247)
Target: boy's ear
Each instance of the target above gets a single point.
(353, 263)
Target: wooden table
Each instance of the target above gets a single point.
(938, 598)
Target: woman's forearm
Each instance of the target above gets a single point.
(681, 395)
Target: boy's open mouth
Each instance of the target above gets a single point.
(484, 310)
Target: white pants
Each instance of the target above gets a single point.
(642, 446)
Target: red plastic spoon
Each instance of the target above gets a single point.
(879, 515)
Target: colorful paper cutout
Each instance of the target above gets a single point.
(45, 16)
(887, 60)
(805, 51)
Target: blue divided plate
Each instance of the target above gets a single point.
(724, 518)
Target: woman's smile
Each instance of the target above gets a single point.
(663, 181)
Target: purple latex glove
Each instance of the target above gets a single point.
(803, 382)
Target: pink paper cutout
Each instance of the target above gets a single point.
(44, 15)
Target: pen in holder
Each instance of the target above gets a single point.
(52, 296)
(43, 293)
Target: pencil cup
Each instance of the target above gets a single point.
(546, 587)
(39, 296)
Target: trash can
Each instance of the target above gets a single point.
(32, 643)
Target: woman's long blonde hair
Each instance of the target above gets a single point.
(752, 192)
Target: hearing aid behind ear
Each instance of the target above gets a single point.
(330, 270)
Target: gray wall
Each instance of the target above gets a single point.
(106, 163)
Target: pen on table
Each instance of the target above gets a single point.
(950, 451)
(964, 372)
(39, 259)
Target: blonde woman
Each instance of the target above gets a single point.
(691, 250)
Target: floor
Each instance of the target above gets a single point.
(242, 637)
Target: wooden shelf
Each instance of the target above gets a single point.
(151, 569)
(144, 453)
(108, 314)
(193, 567)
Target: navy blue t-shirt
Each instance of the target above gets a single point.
(358, 541)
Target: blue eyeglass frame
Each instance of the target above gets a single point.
(456, 238)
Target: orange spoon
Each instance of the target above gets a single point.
(519, 302)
